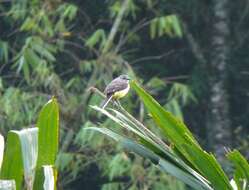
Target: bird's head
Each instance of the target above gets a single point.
(125, 77)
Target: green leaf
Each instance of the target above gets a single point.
(118, 166)
(70, 11)
(164, 165)
(12, 166)
(43, 52)
(241, 174)
(169, 25)
(31, 57)
(97, 37)
(173, 128)
(48, 124)
(26, 140)
(153, 28)
(4, 51)
(63, 160)
(179, 135)
(1, 150)
(174, 107)
(28, 24)
(208, 166)
(176, 26)
(23, 65)
(150, 141)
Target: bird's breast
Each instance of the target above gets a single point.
(121, 93)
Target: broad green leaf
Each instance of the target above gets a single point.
(179, 135)
(164, 165)
(12, 166)
(48, 124)
(172, 127)
(49, 182)
(150, 141)
(241, 173)
(1, 150)
(174, 107)
(208, 166)
(7, 185)
(27, 139)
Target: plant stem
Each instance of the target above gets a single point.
(115, 26)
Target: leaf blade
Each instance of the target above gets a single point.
(48, 124)
(179, 136)
(12, 166)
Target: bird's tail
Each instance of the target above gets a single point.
(105, 102)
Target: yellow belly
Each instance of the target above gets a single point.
(121, 93)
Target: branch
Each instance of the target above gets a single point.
(96, 90)
(173, 78)
(115, 26)
(157, 57)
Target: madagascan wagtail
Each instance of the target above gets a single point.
(116, 89)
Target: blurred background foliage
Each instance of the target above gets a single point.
(63, 48)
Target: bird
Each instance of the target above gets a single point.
(116, 89)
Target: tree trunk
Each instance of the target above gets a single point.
(219, 129)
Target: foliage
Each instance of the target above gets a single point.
(55, 48)
(55, 52)
(30, 150)
(241, 174)
(184, 159)
(165, 25)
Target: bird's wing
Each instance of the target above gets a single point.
(115, 85)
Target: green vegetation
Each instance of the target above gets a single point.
(191, 56)
(184, 158)
(30, 153)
